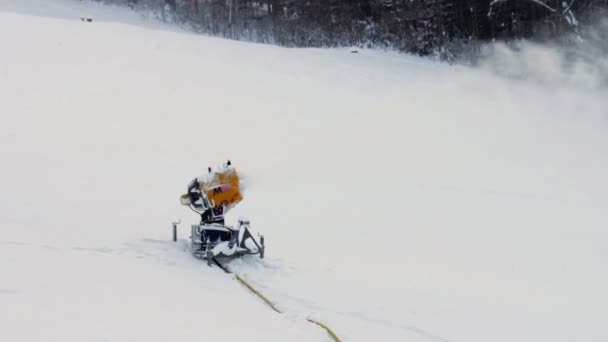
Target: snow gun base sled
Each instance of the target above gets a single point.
(213, 240)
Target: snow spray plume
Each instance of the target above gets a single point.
(577, 60)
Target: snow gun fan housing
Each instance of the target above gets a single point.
(212, 196)
(219, 189)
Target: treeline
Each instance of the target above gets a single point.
(424, 27)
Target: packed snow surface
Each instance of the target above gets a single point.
(401, 199)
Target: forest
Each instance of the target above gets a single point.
(425, 27)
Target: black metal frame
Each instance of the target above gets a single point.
(204, 248)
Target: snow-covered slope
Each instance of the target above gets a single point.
(401, 199)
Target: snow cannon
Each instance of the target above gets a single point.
(221, 187)
(211, 196)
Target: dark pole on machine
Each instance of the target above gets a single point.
(175, 229)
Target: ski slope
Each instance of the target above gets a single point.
(401, 199)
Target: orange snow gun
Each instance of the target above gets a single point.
(222, 189)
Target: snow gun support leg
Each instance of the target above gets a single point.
(244, 226)
(174, 224)
(210, 258)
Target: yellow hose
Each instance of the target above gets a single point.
(258, 293)
(331, 333)
(328, 329)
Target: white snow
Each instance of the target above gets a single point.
(401, 199)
